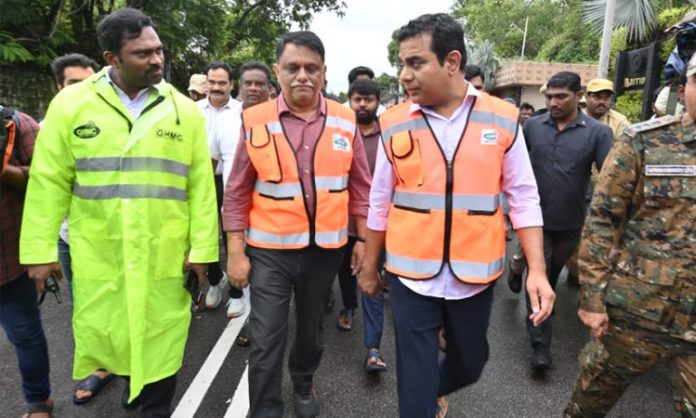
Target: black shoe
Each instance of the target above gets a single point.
(306, 404)
(541, 357)
(514, 281)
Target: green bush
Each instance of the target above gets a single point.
(630, 104)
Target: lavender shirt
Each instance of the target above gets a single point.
(518, 185)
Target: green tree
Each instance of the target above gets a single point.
(498, 21)
(386, 83)
(484, 55)
(193, 32)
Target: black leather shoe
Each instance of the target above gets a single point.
(514, 281)
(541, 357)
(306, 404)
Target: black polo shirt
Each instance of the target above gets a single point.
(562, 163)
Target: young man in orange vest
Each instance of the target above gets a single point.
(299, 172)
(447, 155)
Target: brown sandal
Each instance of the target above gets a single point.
(344, 322)
(45, 407)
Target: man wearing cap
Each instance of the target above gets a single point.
(599, 95)
(198, 87)
(639, 305)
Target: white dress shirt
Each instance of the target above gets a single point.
(222, 126)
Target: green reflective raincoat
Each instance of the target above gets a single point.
(140, 197)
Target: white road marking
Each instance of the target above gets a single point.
(195, 393)
(240, 402)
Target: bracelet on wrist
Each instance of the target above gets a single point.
(360, 239)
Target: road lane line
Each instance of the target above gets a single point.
(240, 401)
(195, 393)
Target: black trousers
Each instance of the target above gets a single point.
(421, 378)
(558, 247)
(277, 276)
(214, 269)
(348, 282)
(155, 399)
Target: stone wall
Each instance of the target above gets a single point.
(27, 90)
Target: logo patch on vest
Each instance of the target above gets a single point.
(170, 135)
(671, 170)
(87, 131)
(340, 143)
(489, 136)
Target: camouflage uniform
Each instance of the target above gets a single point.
(647, 194)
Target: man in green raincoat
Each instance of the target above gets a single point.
(126, 156)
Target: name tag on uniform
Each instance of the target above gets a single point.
(340, 143)
(489, 136)
(671, 170)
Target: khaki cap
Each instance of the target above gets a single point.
(600, 84)
(198, 83)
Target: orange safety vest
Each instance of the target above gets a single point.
(279, 216)
(447, 213)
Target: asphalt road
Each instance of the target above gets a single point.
(508, 388)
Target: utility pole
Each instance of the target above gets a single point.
(524, 37)
(607, 33)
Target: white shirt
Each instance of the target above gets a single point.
(222, 126)
(519, 186)
(136, 105)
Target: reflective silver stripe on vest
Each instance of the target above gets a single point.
(419, 200)
(278, 239)
(430, 267)
(409, 125)
(128, 191)
(481, 202)
(132, 164)
(331, 183)
(437, 201)
(480, 116)
(477, 270)
(419, 267)
(331, 237)
(340, 123)
(278, 190)
(274, 128)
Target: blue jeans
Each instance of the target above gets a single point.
(373, 308)
(373, 318)
(65, 263)
(21, 320)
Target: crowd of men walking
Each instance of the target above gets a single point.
(306, 189)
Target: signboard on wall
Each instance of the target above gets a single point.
(639, 70)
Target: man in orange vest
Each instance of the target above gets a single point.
(299, 172)
(446, 157)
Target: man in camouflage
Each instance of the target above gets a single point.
(641, 304)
